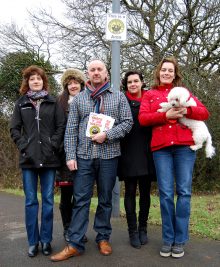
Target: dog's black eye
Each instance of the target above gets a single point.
(177, 99)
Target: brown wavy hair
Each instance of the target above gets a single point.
(178, 77)
(27, 73)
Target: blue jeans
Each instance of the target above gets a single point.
(104, 173)
(30, 181)
(175, 164)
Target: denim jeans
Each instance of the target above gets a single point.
(174, 165)
(104, 173)
(30, 182)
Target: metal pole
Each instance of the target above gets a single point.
(115, 81)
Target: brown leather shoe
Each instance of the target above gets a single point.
(105, 248)
(65, 254)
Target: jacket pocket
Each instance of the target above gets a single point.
(157, 136)
(28, 152)
(184, 134)
(22, 144)
(47, 148)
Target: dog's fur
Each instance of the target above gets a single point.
(180, 97)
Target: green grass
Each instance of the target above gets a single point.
(205, 213)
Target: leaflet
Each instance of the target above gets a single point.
(98, 123)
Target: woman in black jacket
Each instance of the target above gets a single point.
(37, 128)
(72, 81)
(135, 165)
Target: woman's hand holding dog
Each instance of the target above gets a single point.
(175, 113)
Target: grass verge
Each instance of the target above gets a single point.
(205, 213)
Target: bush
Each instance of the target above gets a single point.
(207, 171)
(9, 171)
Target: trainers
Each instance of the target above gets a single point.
(177, 251)
(166, 250)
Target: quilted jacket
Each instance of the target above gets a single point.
(167, 133)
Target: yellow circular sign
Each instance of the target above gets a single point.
(94, 130)
(116, 26)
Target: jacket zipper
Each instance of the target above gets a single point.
(38, 115)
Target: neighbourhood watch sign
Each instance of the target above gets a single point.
(116, 28)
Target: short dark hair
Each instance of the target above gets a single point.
(124, 81)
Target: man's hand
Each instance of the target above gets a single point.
(72, 164)
(99, 137)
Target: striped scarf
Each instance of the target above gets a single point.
(97, 95)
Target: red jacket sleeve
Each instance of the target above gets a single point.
(198, 112)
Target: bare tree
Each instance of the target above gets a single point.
(36, 40)
(188, 29)
(81, 33)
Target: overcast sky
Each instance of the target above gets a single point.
(16, 10)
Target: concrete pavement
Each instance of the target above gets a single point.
(199, 252)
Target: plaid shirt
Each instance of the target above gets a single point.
(78, 145)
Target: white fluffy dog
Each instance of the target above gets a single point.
(180, 97)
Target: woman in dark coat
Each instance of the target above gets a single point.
(73, 81)
(135, 164)
(37, 128)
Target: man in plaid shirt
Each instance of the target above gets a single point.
(95, 158)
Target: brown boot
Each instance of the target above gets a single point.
(65, 254)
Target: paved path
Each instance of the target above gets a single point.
(13, 244)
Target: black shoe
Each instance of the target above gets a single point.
(33, 250)
(143, 236)
(134, 239)
(66, 237)
(46, 249)
(84, 239)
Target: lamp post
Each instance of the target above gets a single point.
(115, 81)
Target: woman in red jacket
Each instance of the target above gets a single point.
(173, 158)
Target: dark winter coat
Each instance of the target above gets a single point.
(38, 140)
(63, 173)
(136, 157)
